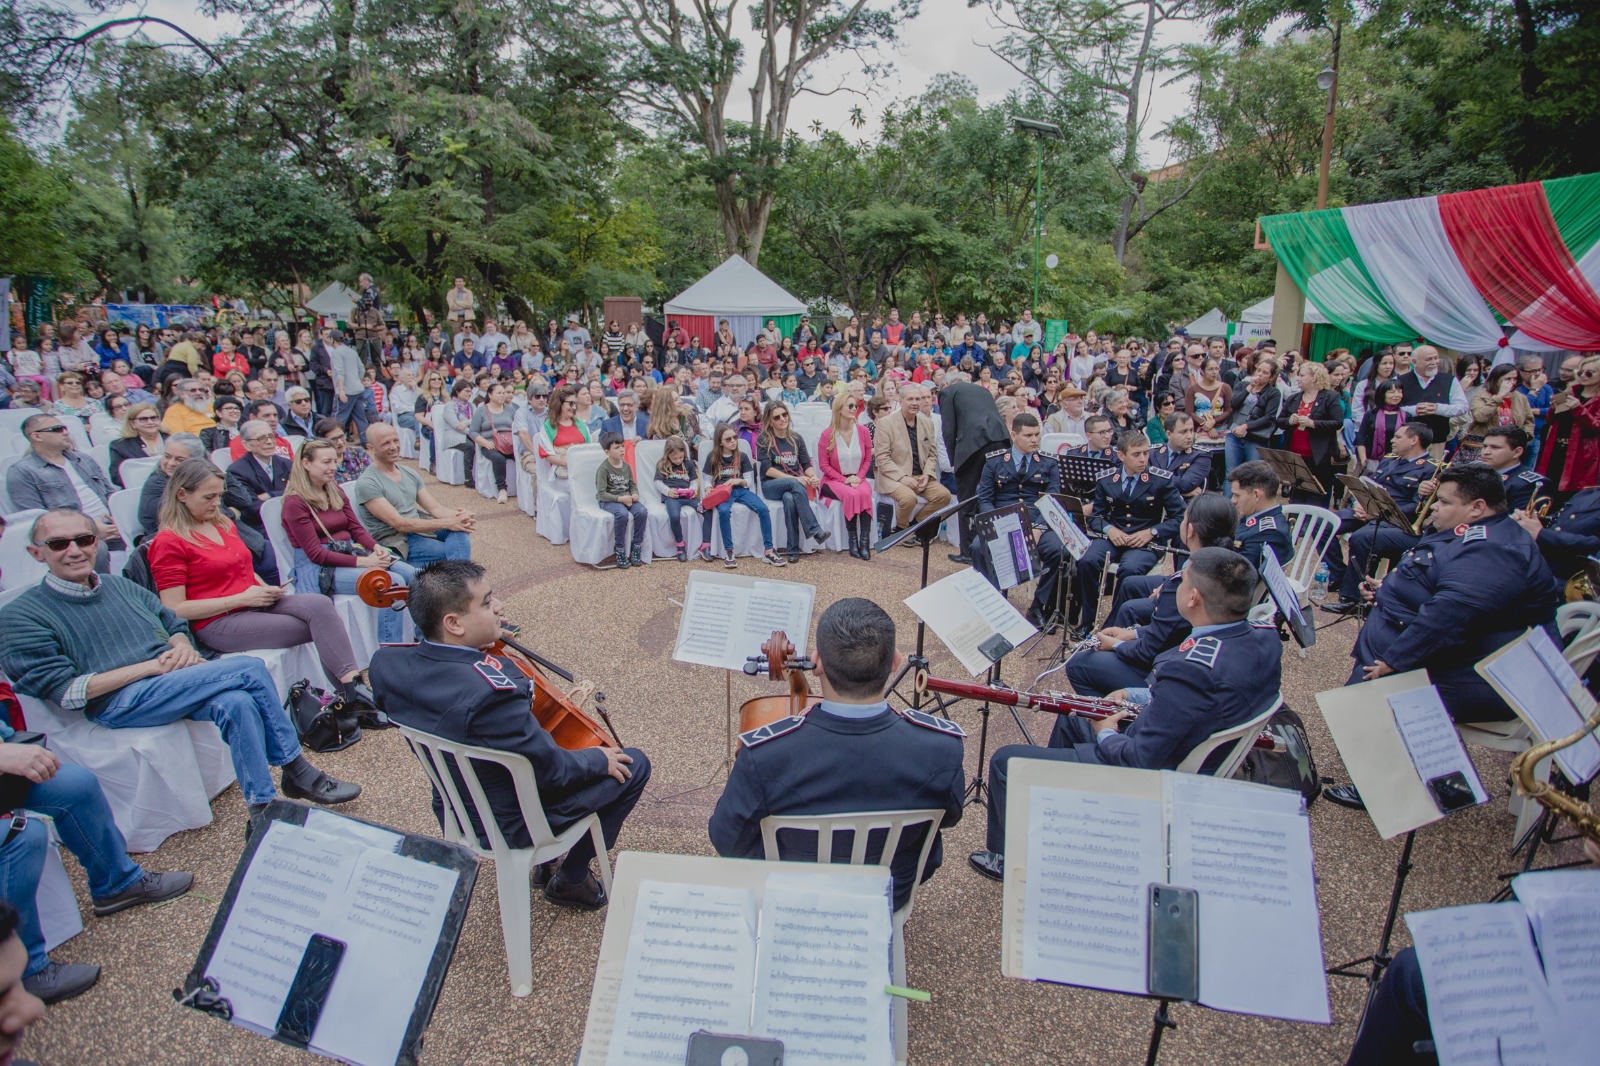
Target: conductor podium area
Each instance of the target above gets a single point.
(616, 629)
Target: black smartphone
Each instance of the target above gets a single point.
(1452, 791)
(720, 1049)
(1174, 942)
(297, 1022)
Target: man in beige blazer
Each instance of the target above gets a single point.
(906, 474)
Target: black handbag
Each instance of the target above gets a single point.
(344, 546)
(1290, 765)
(322, 722)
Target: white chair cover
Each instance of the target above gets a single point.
(448, 464)
(592, 532)
(135, 472)
(553, 517)
(17, 567)
(124, 505)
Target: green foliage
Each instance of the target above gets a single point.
(34, 199)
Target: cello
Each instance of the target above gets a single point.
(778, 660)
(563, 719)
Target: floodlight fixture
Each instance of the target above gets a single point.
(1037, 127)
(1325, 78)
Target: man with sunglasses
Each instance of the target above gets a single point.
(52, 475)
(301, 418)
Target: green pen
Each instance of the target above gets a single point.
(909, 993)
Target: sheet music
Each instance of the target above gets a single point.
(335, 825)
(821, 968)
(1251, 864)
(1431, 738)
(1284, 596)
(690, 965)
(1537, 887)
(1056, 517)
(1182, 790)
(1568, 935)
(1543, 700)
(1091, 859)
(390, 921)
(1002, 551)
(727, 618)
(1487, 999)
(294, 887)
(964, 610)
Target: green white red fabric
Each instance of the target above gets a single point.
(1453, 268)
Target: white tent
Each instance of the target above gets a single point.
(1212, 323)
(1262, 312)
(736, 291)
(335, 301)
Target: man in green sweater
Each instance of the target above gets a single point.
(105, 646)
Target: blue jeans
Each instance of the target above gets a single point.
(425, 548)
(407, 420)
(725, 517)
(675, 508)
(798, 517)
(354, 408)
(235, 693)
(1237, 450)
(619, 525)
(83, 819)
(308, 579)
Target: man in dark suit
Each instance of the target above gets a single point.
(1021, 475)
(1226, 672)
(446, 685)
(258, 477)
(1135, 504)
(974, 433)
(629, 422)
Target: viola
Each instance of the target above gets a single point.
(564, 720)
(778, 659)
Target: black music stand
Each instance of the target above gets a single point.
(1381, 506)
(926, 530)
(1292, 470)
(1082, 471)
(1021, 552)
(1059, 609)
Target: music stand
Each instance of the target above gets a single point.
(1082, 471)
(1019, 555)
(1059, 609)
(926, 530)
(1292, 470)
(1381, 506)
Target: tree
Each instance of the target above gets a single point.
(34, 200)
(684, 61)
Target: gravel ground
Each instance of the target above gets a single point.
(616, 629)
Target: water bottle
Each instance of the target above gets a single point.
(1319, 584)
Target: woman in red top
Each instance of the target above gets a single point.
(1313, 428)
(227, 359)
(1571, 454)
(202, 572)
(562, 429)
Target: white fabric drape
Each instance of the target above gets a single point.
(745, 327)
(1404, 247)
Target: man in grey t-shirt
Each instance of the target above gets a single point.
(349, 385)
(400, 513)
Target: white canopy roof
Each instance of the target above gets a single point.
(1262, 312)
(735, 288)
(335, 301)
(1212, 322)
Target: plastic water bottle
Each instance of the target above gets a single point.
(1319, 584)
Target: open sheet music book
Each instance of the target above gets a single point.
(726, 618)
(1515, 982)
(1532, 676)
(965, 611)
(796, 952)
(1083, 844)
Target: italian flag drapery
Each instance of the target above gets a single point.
(1451, 268)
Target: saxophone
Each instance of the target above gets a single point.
(1583, 815)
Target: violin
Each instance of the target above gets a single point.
(564, 720)
(778, 660)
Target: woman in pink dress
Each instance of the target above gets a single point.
(844, 455)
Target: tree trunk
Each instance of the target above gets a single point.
(1119, 240)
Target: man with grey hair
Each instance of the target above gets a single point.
(259, 476)
(906, 453)
(52, 475)
(192, 412)
(629, 420)
(301, 420)
(726, 407)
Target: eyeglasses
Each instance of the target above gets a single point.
(59, 544)
(147, 418)
(301, 399)
(51, 429)
(258, 439)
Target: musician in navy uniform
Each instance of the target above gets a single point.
(851, 753)
(1571, 538)
(1145, 628)
(1021, 475)
(448, 686)
(1097, 439)
(1401, 475)
(1256, 493)
(1226, 672)
(1134, 504)
(1470, 587)
(1505, 450)
(1190, 468)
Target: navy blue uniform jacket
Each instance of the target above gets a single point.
(833, 765)
(1205, 684)
(1165, 629)
(1189, 469)
(1574, 534)
(1154, 504)
(1004, 483)
(1258, 531)
(471, 697)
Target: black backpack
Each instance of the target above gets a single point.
(1290, 764)
(323, 723)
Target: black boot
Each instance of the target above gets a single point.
(855, 538)
(358, 698)
(866, 534)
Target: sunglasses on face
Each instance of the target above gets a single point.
(51, 429)
(82, 540)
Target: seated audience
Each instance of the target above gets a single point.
(301, 420)
(353, 459)
(332, 549)
(261, 411)
(229, 414)
(629, 421)
(618, 495)
(788, 477)
(491, 429)
(191, 411)
(202, 572)
(450, 686)
(729, 466)
(905, 450)
(677, 482)
(400, 513)
(53, 475)
(258, 477)
(844, 455)
(141, 439)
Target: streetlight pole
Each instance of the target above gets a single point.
(1040, 131)
(1328, 78)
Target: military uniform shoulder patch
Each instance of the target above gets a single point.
(1108, 472)
(1475, 533)
(1162, 472)
(933, 722)
(1203, 650)
(1264, 625)
(493, 673)
(771, 731)
(1530, 477)
(1268, 522)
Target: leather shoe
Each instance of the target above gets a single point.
(1344, 796)
(321, 789)
(964, 560)
(1346, 607)
(374, 720)
(585, 895)
(990, 864)
(60, 981)
(151, 888)
(544, 871)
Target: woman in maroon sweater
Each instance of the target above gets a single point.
(332, 549)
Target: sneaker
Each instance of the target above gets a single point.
(704, 555)
(730, 560)
(61, 981)
(794, 557)
(771, 556)
(586, 895)
(622, 560)
(990, 864)
(636, 557)
(501, 497)
(683, 554)
(151, 888)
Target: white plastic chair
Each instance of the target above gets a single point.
(860, 826)
(6, 463)
(17, 567)
(1580, 629)
(54, 902)
(124, 505)
(1312, 528)
(829, 512)
(360, 621)
(135, 472)
(522, 480)
(221, 458)
(483, 476)
(448, 464)
(1241, 737)
(100, 452)
(592, 533)
(658, 536)
(513, 867)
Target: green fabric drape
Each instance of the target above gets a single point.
(787, 324)
(1575, 203)
(1316, 249)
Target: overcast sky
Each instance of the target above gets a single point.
(947, 36)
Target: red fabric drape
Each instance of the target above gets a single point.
(1509, 244)
(702, 326)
